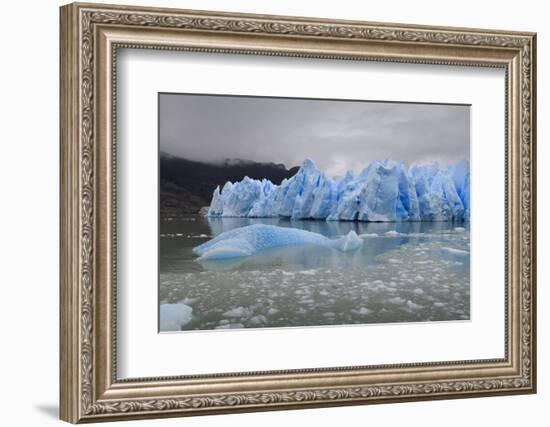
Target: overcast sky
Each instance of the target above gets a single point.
(337, 135)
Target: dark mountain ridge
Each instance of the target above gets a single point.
(187, 185)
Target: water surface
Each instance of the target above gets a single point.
(404, 272)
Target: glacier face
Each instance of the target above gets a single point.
(385, 191)
(251, 239)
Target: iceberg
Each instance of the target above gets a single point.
(251, 239)
(174, 316)
(349, 242)
(385, 191)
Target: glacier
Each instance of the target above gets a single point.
(385, 191)
(251, 239)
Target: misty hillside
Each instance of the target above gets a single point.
(187, 185)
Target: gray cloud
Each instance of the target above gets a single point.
(337, 135)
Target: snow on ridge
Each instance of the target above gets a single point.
(385, 191)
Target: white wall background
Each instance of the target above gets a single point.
(29, 170)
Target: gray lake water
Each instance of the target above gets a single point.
(404, 272)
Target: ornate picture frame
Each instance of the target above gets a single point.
(90, 37)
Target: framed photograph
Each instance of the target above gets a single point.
(266, 212)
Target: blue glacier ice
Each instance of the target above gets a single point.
(251, 239)
(385, 191)
(260, 207)
(461, 178)
(387, 194)
(173, 316)
(324, 198)
(437, 195)
(307, 181)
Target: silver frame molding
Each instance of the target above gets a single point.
(90, 37)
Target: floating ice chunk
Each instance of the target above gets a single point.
(230, 326)
(257, 320)
(350, 242)
(246, 241)
(366, 235)
(412, 306)
(363, 311)
(455, 251)
(392, 233)
(308, 272)
(251, 239)
(237, 312)
(230, 248)
(174, 316)
(396, 300)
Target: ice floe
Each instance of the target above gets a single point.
(174, 316)
(252, 239)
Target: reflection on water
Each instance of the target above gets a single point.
(403, 272)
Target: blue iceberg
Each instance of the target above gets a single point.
(249, 240)
(174, 316)
(385, 191)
